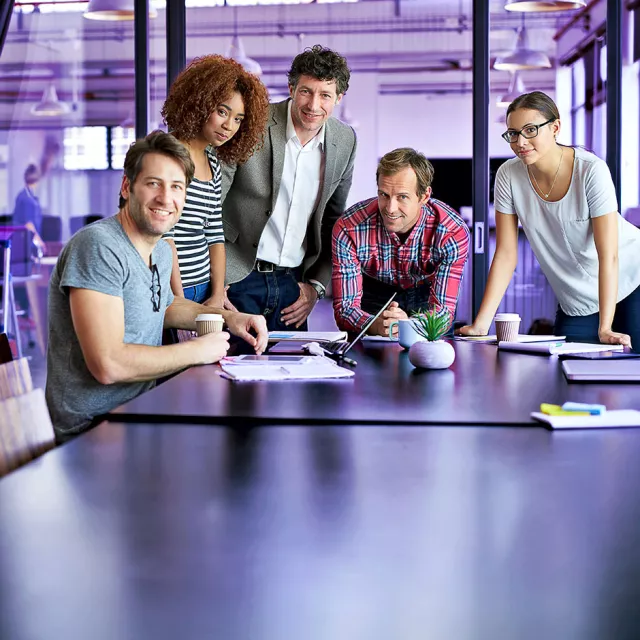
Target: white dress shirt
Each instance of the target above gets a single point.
(283, 241)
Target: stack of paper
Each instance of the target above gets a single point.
(620, 418)
(557, 348)
(524, 338)
(307, 336)
(309, 368)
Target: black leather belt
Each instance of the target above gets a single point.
(267, 267)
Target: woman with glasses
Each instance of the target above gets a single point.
(219, 112)
(565, 200)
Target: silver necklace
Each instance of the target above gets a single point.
(553, 184)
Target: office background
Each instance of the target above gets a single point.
(68, 94)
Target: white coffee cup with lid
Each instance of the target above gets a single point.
(507, 326)
(209, 323)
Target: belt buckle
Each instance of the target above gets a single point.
(262, 266)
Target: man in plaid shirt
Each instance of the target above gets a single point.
(402, 241)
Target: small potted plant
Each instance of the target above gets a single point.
(431, 352)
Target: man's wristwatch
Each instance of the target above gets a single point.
(319, 289)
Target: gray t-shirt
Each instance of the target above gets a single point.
(561, 233)
(101, 257)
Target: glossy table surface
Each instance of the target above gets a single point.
(352, 532)
(483, 386)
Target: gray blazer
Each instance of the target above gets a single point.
(250, 191)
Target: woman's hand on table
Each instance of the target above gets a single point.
(607, 336)
(471, 330)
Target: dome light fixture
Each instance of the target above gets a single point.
(516, 89)
(50, 105)
(522, 58)
(236, 52)
(113, 10)
(532, 6)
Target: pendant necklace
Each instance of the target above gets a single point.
(553, 184)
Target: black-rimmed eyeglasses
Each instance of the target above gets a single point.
(156, 289)
(529, 131)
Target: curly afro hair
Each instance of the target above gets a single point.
(323, 64)
(200, 88)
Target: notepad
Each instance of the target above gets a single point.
(616, 418)
(557, 348)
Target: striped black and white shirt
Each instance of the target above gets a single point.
(200, 226)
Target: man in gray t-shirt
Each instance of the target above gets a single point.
(110, 297)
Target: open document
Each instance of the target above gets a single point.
(245, 368)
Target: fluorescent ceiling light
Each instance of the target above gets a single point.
(113, 10)
(544, 5)
(522, 57)
(50, 105)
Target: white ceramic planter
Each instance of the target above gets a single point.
(431, 355)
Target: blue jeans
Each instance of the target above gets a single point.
(585, 328)
(198, 292)
(267, 294)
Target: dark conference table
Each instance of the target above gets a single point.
(342, 533)
(483, 387)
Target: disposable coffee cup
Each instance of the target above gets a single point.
(507, 326)
(209, 323)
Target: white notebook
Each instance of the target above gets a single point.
(616, 418)
(557, 348)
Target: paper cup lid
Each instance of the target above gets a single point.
(506, 316)
(210, 317)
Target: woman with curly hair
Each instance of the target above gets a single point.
(218, 111)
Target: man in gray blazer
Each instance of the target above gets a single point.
(279, 207)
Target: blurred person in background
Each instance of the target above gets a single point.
(27, 211)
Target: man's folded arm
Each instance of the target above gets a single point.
(98, 320)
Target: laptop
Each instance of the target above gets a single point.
(337, 348)
(340, 348)
(602, 370)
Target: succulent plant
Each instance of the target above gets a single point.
(431, 325)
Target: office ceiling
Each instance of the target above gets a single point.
(412, 46)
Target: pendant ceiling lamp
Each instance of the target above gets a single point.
(236, 50)
(516, 88)
(50, 105)
(522, 57)
(346, 116)
(113, 10)
(544, 5)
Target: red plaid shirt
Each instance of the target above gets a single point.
(436, 250)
